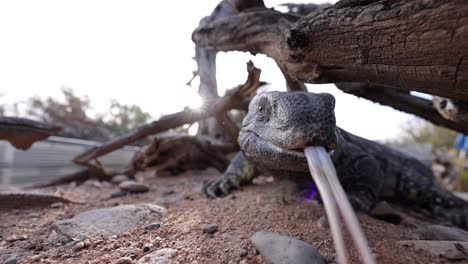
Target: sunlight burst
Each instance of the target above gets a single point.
(195, 101)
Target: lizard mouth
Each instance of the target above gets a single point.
(296, 151)
(275, 147)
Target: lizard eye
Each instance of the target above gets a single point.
(263, 108)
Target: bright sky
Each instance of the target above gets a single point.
(138, 52)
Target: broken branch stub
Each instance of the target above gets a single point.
(211, 108)
(414, 45)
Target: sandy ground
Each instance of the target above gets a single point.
(270, 207)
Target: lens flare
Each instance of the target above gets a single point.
(195, 102)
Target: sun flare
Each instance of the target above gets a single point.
(195, 102)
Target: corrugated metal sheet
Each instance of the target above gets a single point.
(50, 159)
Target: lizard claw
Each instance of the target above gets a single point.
(220, 187)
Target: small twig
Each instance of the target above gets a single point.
(195, 74)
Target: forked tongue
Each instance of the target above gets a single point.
(334, 198)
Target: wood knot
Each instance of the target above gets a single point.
(296, 39)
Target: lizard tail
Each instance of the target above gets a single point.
(440, 202)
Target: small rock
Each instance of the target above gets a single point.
(57, 205)
(79, 246)
(16, 238)
(119, 194)
(107, 222)
(447, 249)
(9, 259)
(132, 252)
(98, 242)
(323, 222)
(87, 243)
(439, 232)
(39, 247)
(244, 253)
(162, 256)
(169, 192)
(153, 226)
(133, 186)
(125, 260)
(278, 249)
(209, 228)
(36, 258)
(117, 179)
(114, 237)
(147, 247)
(126, 234)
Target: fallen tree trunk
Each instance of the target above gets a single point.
(231, 100)
(22, 133)
(413, 45)
(403, 101)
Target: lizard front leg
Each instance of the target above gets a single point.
(240, 171)
(362, 181)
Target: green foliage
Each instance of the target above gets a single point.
(124, 118)
(421, 131)
(50, 109)
(73, 115)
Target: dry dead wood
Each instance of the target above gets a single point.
(413, 45)
(403, 101)
(22, 133)
(177, 152)
(221, 126)
(231, 100)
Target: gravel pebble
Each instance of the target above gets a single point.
(87, 243)
(117, 179)
(244, 253)
(147, 247)
(278, 249)
(133, 186)
(79, 246)
(209, 228)
(125, 260)
(323, 223)
(57, 205)
(153, 226)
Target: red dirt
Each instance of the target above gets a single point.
(271, 207)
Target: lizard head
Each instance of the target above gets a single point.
(279, 125)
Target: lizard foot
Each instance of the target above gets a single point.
(220, 187)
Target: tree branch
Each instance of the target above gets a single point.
(188, 116)
(403, 101)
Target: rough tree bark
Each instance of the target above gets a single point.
(417, 45)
